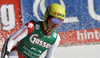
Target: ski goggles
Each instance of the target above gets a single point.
(56, 21)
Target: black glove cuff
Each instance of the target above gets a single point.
(7, 52)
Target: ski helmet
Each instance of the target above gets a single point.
(54, 10)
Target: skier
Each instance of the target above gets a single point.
(35, 37)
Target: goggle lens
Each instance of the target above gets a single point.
(56, 21)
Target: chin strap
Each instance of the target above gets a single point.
(46, 24)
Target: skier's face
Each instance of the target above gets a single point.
(52, 26)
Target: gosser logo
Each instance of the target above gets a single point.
(34, 39)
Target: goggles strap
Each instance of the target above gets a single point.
(48, 16)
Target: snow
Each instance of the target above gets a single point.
(80, 51)
(77, 51)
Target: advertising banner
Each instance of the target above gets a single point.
(82, 20)
(10, 19)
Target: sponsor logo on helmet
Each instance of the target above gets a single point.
(55, 13)
(59, 14)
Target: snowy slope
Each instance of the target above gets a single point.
(83, 51)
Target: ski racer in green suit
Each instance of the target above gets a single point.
(36, 37)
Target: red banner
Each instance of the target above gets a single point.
(10, 19)
(80, 36)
